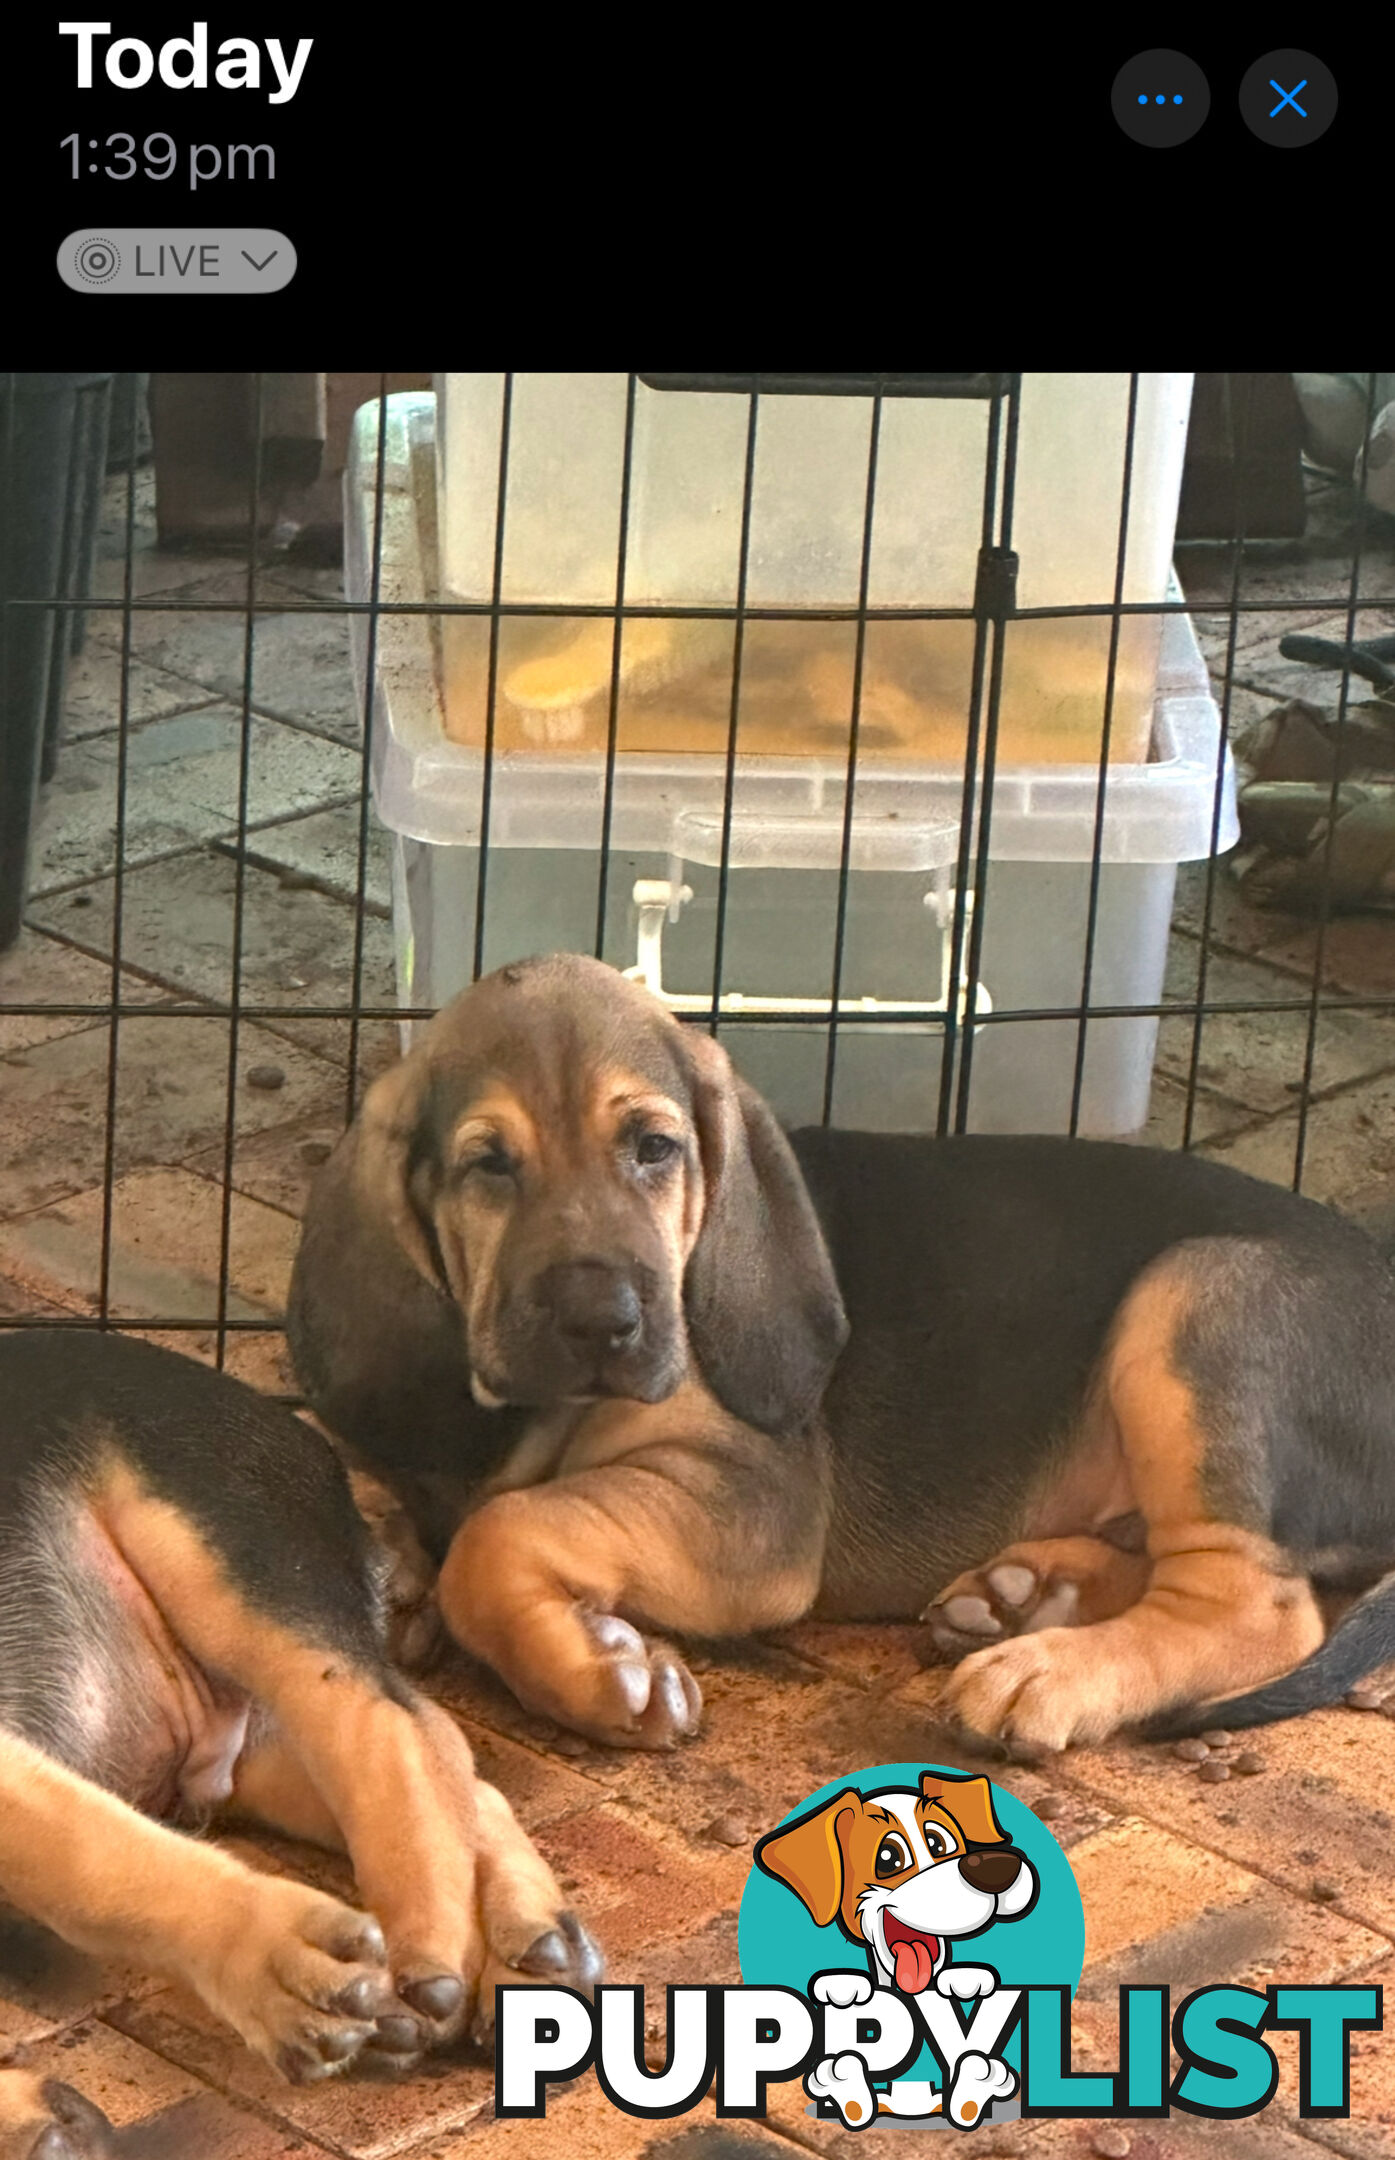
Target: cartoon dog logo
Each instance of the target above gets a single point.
(905, 1874)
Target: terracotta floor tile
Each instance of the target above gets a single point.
(1358, 952)
(272, 1166)
(1140, 1883)
(873, 1657)
(93, 702)
(581, 2124)
(705, 1959)
(1256, 1059)
(632, 1885)
(166, 1228)
(19, 2024)
(46, 1983)
(1314, 1814)
(126, 2080)
(539, 1788)
(774, 1729)
(171, 1099)
(1137, 1880)
(362, 2116)
(208, 2127)
(18, 1302)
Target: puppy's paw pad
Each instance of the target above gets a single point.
(1008, 1597)
(1012, 1584)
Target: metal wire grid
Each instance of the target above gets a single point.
(994, 608)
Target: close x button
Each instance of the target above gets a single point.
(1288, 98)
(192, 259)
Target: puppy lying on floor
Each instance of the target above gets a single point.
(189, 1621)
(1120, 1423)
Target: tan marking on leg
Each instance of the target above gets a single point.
(271, 1785)
(296, 1973)
(543, 1583)
(1085, 1488)
(1221, 1612)
(522, 1911)
(396, 1782)
(391, 1779)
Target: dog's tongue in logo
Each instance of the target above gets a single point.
(913, 1954)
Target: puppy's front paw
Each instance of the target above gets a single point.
(842, 1989)
(304, 1980)
(641, 1694)
(1040, 1691)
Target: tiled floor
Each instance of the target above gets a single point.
(1288, 1871)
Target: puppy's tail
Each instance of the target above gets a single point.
(1363, 1639)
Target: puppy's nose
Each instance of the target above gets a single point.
(594, 1304)
(992, 1872)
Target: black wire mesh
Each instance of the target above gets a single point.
(948, 1029)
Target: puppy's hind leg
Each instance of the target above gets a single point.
(296, 1973)
(1222, 1443)
(525, 1930)
(265, 1576)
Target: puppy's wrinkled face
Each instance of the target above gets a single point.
(556, 1165)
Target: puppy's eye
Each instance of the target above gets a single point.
(494, 1162)
(939, 1841)
(653, 1148)
(893, 1856)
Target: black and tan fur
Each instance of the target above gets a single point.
(1121, 1423)
(190, 1629)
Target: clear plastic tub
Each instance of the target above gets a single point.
(562, 506)
(546, 824)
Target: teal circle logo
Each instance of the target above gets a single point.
(914, 1903)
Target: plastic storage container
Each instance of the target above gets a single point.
(546, 818)
(561, 532)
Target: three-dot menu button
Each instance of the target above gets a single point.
(1160, 99)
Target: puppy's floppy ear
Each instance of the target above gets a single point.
(808, 1859)
(765, 1319)
(969, 1801)
(390, 1173)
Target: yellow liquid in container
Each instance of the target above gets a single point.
(554, 688)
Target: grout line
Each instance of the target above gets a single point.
(241, 2102)
(198, 845)
(1384, 1930)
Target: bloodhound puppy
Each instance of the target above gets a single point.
(1120, 1424)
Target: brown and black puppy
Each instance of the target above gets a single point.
(189, 1622)
(1122, 1421)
